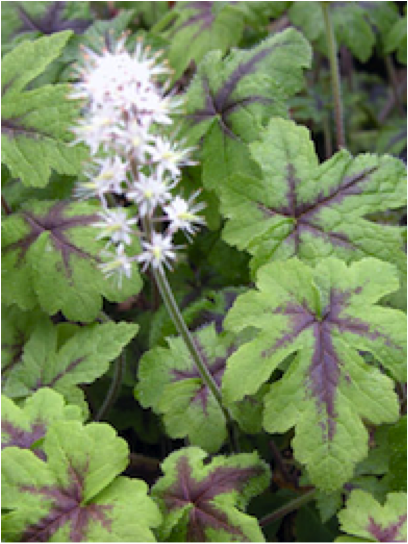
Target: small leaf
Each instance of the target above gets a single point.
(325, 316)
(365, 518)
(77, 495)
(34, 123)
(83, 357)
(51, 258)
(203, 502)
(396, 39)
(231, 99)
(23, 427)
(300, 208)
(170, 383)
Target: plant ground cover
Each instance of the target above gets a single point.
(203, 271)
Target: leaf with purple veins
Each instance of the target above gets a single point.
(231, 99)
(171, 385)
(204, 502)
(297, 207)
(76, 495)
(51, 258)
(324, 317)
(62, 365)
(24, 426)
(35, 123)
(365, 518)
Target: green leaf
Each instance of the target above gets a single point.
(200, 27)
(231, 99)
(29, 20)
(396, 39)
(325, 316)
(300, 208)
(170, 383)
(396, 477)
(49, 361)
(51, 259)
(364, 517)
(24, 427)
(34, 134)
(77, 495)
(203, 502)
(355, 24)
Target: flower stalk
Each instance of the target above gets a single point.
(335, 76)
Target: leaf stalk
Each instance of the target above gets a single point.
(288, 508)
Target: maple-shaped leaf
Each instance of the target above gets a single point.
(356, 24)
(232, 98)
(51, 259)
(30, 20)
(76, 495)
(52, 358)
(365, 518)
(170, 383)
(204, 502)
(24, 426)
(35, 136)
(325, 317)
(200, 27)
(300, 208)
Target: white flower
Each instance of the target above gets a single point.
(97, 129)
(117, 263)
(117, 77)
(158, 252)
(105, 176)
(116, 226)
(170, 156)
(150, 192)
(182, 214)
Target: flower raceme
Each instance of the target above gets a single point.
(125, 109)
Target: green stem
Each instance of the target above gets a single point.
(177, 318)
(394, 83)
(164, 22)
(335, 76)
(288, 508)
(115, 385)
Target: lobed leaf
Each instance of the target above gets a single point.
(34, 123)
(297, 207)
(76, 495)
(365, 518)
(203, 502)
(231, 99)
(24, 426)
(200, 27)
(170, 383)
(49, 359)
(325, 317)
(51, 259)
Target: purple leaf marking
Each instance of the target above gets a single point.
(52, 381)
(66, 507)
(221, 104)
(52, 21)
(216, 368)
(55, 223)
(204, 17)
(386, 534)
(205, 514)
(306, 215)
(324, 371)
(23, 439)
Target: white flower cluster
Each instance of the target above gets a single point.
(124, 108)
